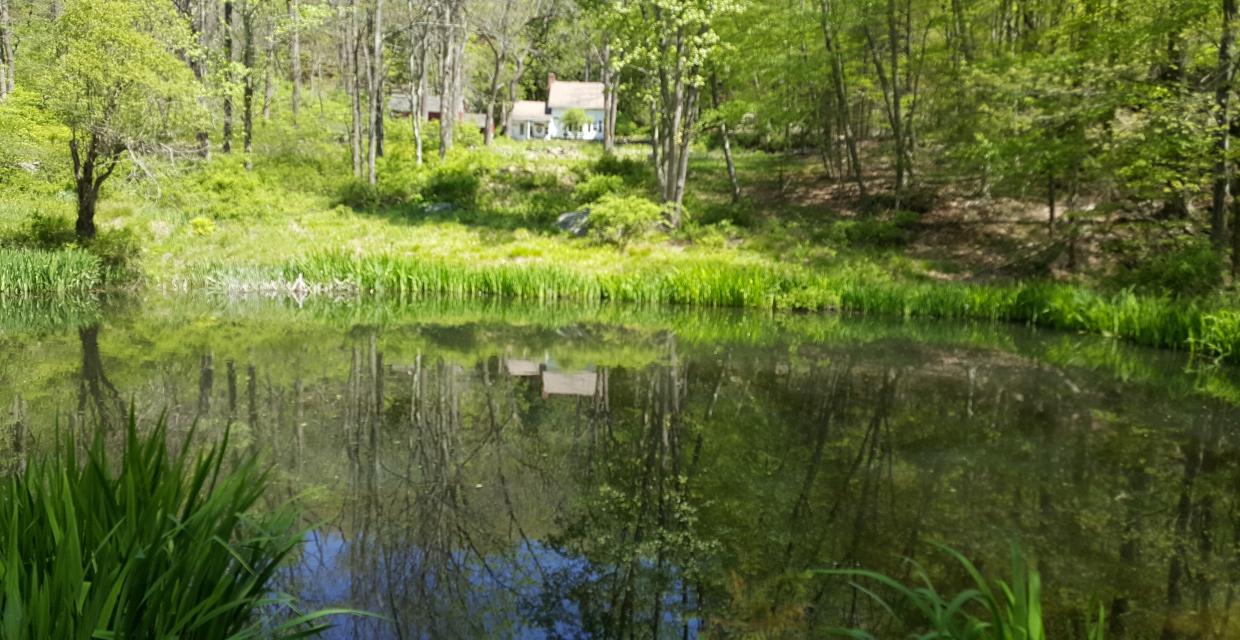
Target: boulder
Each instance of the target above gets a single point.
(574, 222)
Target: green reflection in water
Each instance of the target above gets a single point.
(698, 462)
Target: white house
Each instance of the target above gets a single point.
(529, 121)
(541, 120)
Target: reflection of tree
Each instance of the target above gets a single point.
(698, 490)
(98, 400)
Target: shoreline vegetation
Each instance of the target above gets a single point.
(1203, 327)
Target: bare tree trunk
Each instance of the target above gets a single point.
(269, 85)
(353, 73)
(610, 86)
(1222, 136)
(727, 142)
(841, 97)
(7, 61)
(294, 15)
(450, 69)
(247, 20)
(228, 59)
(417, 86)
(376, 94)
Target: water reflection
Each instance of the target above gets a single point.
(476, 480)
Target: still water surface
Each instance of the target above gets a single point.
(483, 470)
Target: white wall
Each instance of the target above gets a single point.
(593, 131)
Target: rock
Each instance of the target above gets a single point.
(30, 167)
(439, 207)
(574, 222)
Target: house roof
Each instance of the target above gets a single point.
(399, 102)
(575, 95)
(529, 111)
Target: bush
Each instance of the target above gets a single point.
(619, 220)
(595, 187)
(874, 232)
(156, 546)
(1190, 271)
(632, 170)
(43, 231)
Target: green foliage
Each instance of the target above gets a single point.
(1190, 271)
(63, 272)
(999, 610)
(150, 545)
(574, 120)
(201, 227)
(633, 170)
(619, 220)
(596, 187)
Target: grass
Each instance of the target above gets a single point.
(987, 610)
(299, 213)
(150, 545)
(63, 272)
(1208, 327)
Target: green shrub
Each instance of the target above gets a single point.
(43, 231)
(1189, 271)
(69, 271)
(118, 251)
(595, 187)
(872, 232)
(455, 184)
(632, 170)
(201, 227)
(153, 545)
(619, 220)
(1009, 610)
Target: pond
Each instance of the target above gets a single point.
(478, 470)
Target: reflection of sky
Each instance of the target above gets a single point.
(526, 594)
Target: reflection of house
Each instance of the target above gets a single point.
(555, 383)
(523, 368)
(582, 383)
(545, 120)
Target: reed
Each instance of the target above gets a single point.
(1208, 327)
(151, 545)
(64, 272)
(988, 610)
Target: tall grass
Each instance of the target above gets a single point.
(998, 610)
(61, 272)
(148, 546)
(1207, 327)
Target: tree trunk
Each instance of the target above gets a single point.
(727, 142)
(247, 96)
(609, 100)
(228, 59)
(1222, 136)
(294, 15)
(488, 134)
(897, 120)
(7, 62)
(376, 94)
(355, 98)
(90, 170)
(841, 98)
(269, 85)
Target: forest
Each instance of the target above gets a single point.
(623, 318)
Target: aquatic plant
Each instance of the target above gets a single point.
(998, 610)
(151, 545)
(60, 272)
(1207, 326)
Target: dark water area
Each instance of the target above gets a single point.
(476, 470)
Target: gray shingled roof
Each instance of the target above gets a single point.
(530, 111)
(576, 95)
